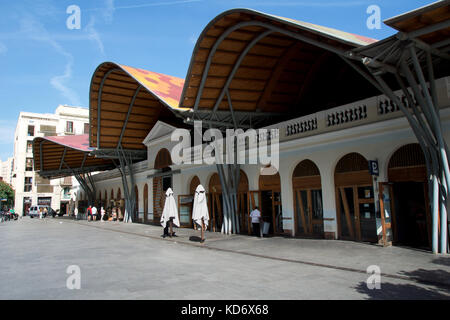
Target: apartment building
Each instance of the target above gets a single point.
(6, 170)
(30, 188)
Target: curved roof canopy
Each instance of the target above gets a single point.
(427, 28)
(128, 101)
(61, 156)
(269, 68)
(430, 23)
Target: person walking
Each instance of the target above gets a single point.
(94, 213)
(76, 213)
(256, 222)
(200, 213)
(102, 214)
(89, 213)
(169, 215)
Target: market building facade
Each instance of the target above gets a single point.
(351, 165)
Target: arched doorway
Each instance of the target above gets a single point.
(409, 203)
(195, 181)
(186, 202)
(270, 202)
(145, 203)
(215, 203)
(163, 161)
(308, 205)
(355, 199)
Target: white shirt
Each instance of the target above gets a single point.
(94, 210)
(255, 215)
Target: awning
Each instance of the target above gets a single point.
(270, 66)
(62, 156)
(428, 28)
(128, 101)
(430, 23)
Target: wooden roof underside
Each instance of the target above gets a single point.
(53, 153)
(117, 94)
(279, 74)
(424, 17)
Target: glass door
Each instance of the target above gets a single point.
(185, 203)
(309, 212)
(277, 211)
(243, 213)
(356, 213)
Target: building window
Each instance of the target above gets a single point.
(69, 126)
(28, 184)
(86, 128)
(43, 185)
(31, 131)
(29, 146)
(48, 131)
(29, 164)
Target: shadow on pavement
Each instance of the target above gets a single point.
(442, 261)
(390, 291)
(195, 239)
(437, 282)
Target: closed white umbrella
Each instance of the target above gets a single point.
(170, 210)
(200, 210)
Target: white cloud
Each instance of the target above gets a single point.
(37, 32)
(193, 39)
(3, 48)
(110, 8)
(108, 13)
(93, 35)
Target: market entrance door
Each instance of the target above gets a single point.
(355, 199)
(411, 216)
(270, 199)
(308, 207)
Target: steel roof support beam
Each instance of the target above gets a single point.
(237, 65)
(41, 158)
(218, 123)
(259, 24)
(51, 174)
(62, 159)
(83, 183)
(99, 103)
(130, 108)
(425, 123)
(113, 154)
(429, 29)
(130, 197)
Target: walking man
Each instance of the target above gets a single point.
(256, 222)
(94, 213)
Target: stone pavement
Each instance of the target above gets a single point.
(133, 261)
(396, 262)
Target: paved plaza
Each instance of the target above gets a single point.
(133, 261)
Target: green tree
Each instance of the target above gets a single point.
(6, 192)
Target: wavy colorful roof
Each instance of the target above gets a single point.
(338, 34)
(167, 88)
(77, 142)
(61, 156)
(126, 102)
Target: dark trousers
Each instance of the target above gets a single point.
(256, 229)
(166, 229)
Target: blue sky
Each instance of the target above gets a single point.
(44, 64)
